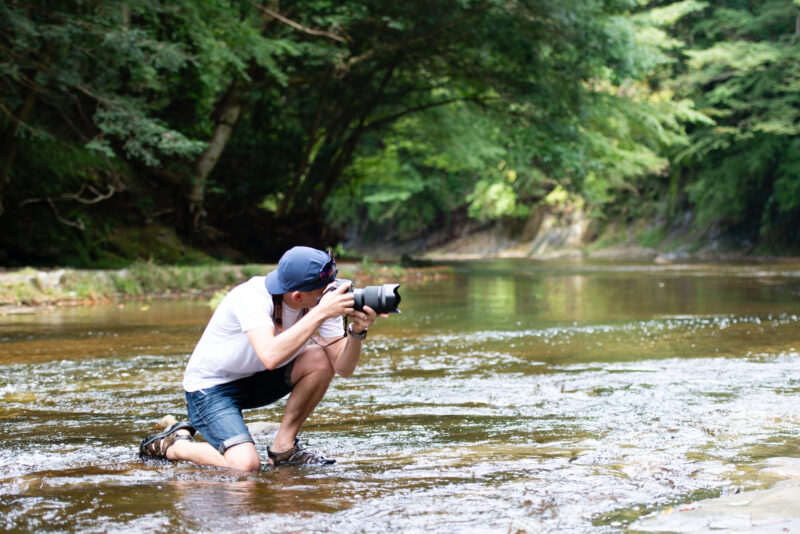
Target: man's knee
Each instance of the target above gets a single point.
(314, 359)
(243, 457)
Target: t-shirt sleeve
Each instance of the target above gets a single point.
(332, 327)
(252, 310)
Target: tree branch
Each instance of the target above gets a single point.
(796, 31)
(11, 115)
(99, 197)
(345, 154)
(390, 118)
(420, 38)
(303, 166)
(296, 25)
(75, 224)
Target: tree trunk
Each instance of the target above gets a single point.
(228, 115)
(344, 155)
(303, 166)
(229, 112)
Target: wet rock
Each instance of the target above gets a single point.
(770, 510)
(166, 422)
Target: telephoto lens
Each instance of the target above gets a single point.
(383, 299)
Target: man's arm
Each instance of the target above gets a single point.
(274, 351)
(344, 354)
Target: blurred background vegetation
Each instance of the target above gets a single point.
(187, 131)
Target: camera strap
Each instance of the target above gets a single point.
(277, 310)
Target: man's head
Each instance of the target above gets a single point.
(302, 269)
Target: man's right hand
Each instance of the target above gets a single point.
(337, 302)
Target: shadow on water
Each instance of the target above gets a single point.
(514, 397)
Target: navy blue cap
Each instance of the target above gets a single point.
(301, 269)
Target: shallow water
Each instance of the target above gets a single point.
(515, 396)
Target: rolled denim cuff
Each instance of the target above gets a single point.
(235, 440)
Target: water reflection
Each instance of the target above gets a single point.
(123, 329)
(513, 397)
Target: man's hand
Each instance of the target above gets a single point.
(362, 320)
(344, 356)
(337, 302)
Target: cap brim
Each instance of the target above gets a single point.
(313, 285)
(273, 284)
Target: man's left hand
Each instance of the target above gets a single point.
(363, 319)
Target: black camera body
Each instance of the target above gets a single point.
(383, 299)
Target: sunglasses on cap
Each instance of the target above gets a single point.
(329, 271)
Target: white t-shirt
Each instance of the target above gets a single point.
(224, 352)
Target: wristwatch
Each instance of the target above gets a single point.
(352, 334)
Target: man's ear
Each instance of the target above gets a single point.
(296, 296)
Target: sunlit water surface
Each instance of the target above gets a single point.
(513, 397)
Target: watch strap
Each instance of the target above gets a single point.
(352, 334)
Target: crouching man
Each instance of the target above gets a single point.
(255, 350)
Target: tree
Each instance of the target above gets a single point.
(742, 172)
(117, 95)
(563, 104)
(255, 124)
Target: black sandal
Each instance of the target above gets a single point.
(297, 455)
(155, 446)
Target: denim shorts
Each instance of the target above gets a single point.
(216, 412)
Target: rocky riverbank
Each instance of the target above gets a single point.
(566, 232)
(32, 290)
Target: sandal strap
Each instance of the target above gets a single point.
(157, 445)
(178, 437)
(154, 449)
(297, 455)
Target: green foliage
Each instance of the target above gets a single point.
(744, 75)
(592, 127)
(384, 118)
(107, 88)
(145, 139)
(144, 277)
(423, 166)
(216, 299)
(29, 286)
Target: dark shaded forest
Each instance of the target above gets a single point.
(189, 132)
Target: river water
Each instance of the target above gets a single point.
(515, 396)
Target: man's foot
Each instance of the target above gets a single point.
(155, 446)
(297, 455)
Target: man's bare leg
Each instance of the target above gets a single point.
(241, 457)
(311, 376)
